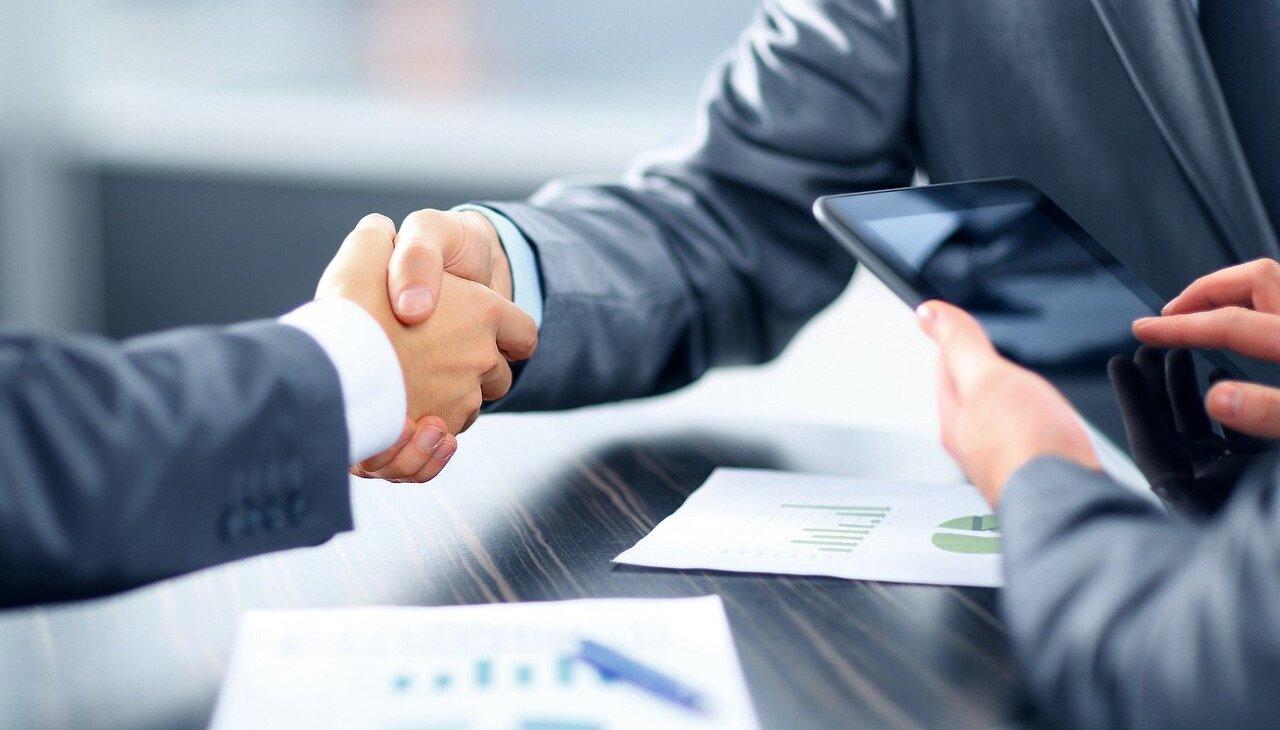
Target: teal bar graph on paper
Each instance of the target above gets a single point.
(484, 673)
(524, 675)
(564, 670)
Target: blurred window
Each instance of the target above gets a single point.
(650, 51)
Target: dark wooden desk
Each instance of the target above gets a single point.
(534, 508)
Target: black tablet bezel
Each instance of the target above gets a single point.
(872, 251)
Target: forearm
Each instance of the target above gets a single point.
(707, 254)
(1123, 617)
(126, 464)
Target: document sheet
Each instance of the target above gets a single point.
(500, 667)
(779, 522)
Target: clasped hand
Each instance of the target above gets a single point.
(453, 326)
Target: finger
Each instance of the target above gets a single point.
(425, 241)
(428, 435)
(437, 462)
(1246, 407)
(517, 335)
(1244, 331)
(376, 462)
(496, 382)
(1236, 441)
(948, 402)
(948, 407)
(1255, 284)
(1152, 440)
(371, 239)
(967, 353)
(1183, 390)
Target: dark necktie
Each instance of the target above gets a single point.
(1243, 37)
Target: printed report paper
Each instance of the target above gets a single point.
(492, 667)
(778, 522)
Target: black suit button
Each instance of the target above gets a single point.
(234, 524)
(297, 506)
(256, 517)
(275, 514)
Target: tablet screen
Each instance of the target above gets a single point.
(1049, 295)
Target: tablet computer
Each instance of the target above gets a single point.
(1051, 297)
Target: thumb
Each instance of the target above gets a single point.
(966, 353)
(1245, 407)
(424, 243)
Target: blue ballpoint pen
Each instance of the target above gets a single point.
(614, 665)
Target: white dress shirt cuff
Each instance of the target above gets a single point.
(526, 279)
(373, 393)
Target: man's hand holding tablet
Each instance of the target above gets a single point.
(996, 417)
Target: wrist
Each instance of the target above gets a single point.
(380, 311)
(1074, 448)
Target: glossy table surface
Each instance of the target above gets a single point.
(534, 508)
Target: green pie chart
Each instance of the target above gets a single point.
(971, 535)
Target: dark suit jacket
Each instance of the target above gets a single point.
(707, 253)
(125, 464)
(1125, 617)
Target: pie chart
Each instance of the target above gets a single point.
(971, 535)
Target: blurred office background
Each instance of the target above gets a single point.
(170, 162)
(165, 162)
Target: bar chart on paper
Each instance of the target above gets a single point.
(494, 674)
(807, 529)
(776, 522)
(491, 667)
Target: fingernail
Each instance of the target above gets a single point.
(445, 450)
(1143, 321)
(1227, 400)
(430, 439)
(1167, 307)
(414, 301)
(926, 313)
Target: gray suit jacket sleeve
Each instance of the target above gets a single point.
(708, 254)
(1123, 616)
(125, 464)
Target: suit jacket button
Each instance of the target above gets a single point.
(256, 518)
(274, 514)
(234, 525)
(297, 506)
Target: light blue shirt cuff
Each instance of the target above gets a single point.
(526, 279)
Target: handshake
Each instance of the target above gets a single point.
(441, 289)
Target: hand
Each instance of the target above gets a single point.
(451, 364)
(1188, 465)
(432, 243)
(1237, 309)
(996, 416)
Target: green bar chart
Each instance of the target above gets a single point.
(810, 529)
(842, 527)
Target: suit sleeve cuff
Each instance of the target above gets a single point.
(526, 278)
(373, 391)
